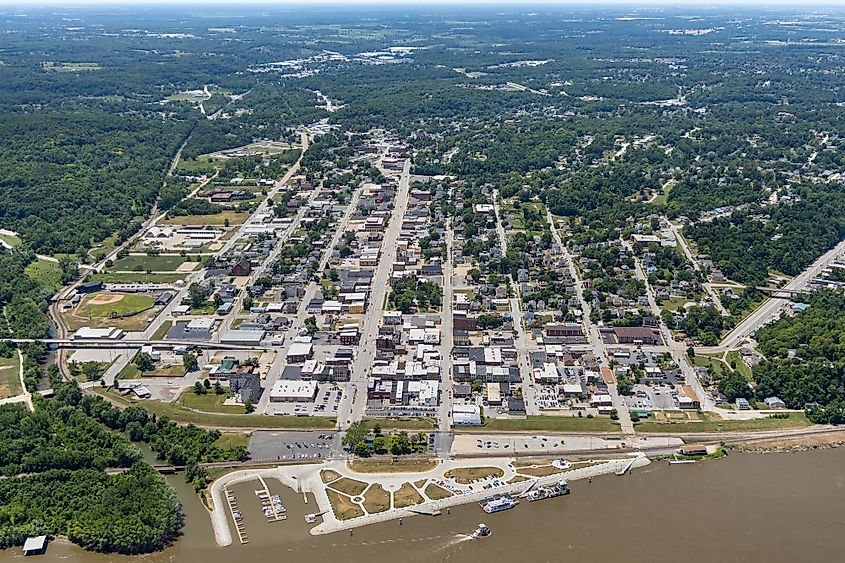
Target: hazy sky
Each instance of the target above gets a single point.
(453, 3)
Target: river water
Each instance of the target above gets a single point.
(745, 508)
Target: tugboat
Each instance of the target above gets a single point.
(550, 491)
(482, 531)
(498, 504)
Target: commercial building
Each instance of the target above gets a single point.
(293, 391)
(466, 415)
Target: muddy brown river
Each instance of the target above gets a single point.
(745, 508)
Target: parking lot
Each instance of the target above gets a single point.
(326, 403)
(293, 445)
(375, 408)
(652, 397)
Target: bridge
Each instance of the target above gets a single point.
(122, 344)
(778, 293)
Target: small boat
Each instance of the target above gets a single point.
(482, 531)
(680, 461)
(498, 504)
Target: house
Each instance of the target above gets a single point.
(774, 403)
(693, 449)
(242, 268)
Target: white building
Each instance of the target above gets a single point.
(293, 391)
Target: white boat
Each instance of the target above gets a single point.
(498, 504)
(680, 461)
(482, 531)
(549, 491)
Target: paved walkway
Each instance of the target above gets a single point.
(307, 478)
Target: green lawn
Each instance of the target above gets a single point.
(232, 440)
(717, 367)
(234, 217)
(143, 262)
(795, 420)
(180, 414)
(550, 424)
(136, 277)
(46, 273)
(741, 366)
(210, 402)
(402, 423)
(129, 303)
(161, 332)
(10, 379)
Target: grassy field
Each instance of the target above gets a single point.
(131, 371)
(161, 331)
(377, 499)
(465, 475)
(178, 413)
(549, 424)
(210, 402)
(11, 240)
(234, 217)
(388, 466)
(343, 507)
(402, 423)
(136, 262)
(407, 495)
(46, 273)
(10, 379)
(708, 425)
(435, 492)
(741, 366)
(542, 471)
(136, 277)
(102, 304)
(717, 367)
(232, 440)
(349, 486)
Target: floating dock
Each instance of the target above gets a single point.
(237, 518)
(273, 510)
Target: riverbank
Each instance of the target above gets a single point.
(345, 497)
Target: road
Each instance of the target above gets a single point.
(593, 335)
(297, 322)
(446, 337)
(527, 381)
(694, 261)
(353, 405)
(771, 307)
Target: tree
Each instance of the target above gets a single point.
(189, 361)
(249, 407)
(199, 389)
(356, 432)
(311, 325)
(144, 362)
(218, 389)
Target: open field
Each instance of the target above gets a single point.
(466, 475)
(210, 402)
(10, 379)
(376, 499)
(234, 218)
(232, 440)
(10, 240)
(708, 425)
(131, 371)
(343, 507)
(541, 471)
(407, 495)
(549, 423)
(95, 308)
(46, 273)
(136, 277)
(137, 263)
(387, 466)
(180, 414)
